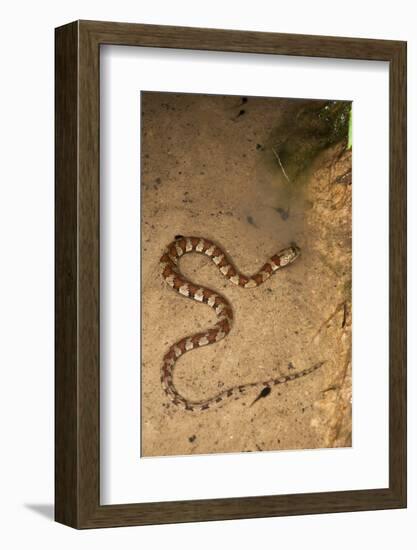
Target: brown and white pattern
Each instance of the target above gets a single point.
(173, 278)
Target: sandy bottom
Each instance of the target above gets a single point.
(209, 170)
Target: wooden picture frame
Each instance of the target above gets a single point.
(77, 405)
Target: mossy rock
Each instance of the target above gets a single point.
(316, 126)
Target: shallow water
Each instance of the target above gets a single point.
(208, 170)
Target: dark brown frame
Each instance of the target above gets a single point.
(77, 274)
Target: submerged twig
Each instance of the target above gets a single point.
(339, 307)
(280, 163)
(344, 315)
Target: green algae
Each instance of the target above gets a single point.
(312, 129)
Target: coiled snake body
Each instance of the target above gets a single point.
(173, 278)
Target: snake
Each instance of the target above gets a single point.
(172, 276)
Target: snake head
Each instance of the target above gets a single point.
(288, 255)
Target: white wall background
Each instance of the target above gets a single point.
(26, 272)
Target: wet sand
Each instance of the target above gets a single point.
(210, 170)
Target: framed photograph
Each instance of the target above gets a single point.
(263, 374)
